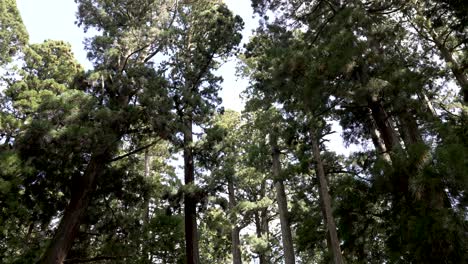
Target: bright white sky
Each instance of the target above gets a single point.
(55, 19)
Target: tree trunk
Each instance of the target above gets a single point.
(235, 240)
(326, 200)
(392, 143)
(324, 215)
(286, 235)
(261, 225)
(147, 174)
(409, 129)
(378, 141)
(146, 249)
(75, 211)
(190, 209)
(385, 127)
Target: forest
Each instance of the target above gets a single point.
(136, 161)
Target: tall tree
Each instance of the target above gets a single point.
(13, 33)
(206, 32)
(121, 56)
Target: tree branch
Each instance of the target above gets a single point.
(135, 151)
(98, 258)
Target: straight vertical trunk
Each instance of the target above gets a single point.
(262, 229)
(326, 200)
(261, 225)
(69, 225)
(190, 209)
(235, 240)
(147, 173)
(146, 249)
(324, 215)
(286, 235)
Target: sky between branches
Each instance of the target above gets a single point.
(55, 19)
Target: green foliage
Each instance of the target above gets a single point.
(367, 65)
(13, 34)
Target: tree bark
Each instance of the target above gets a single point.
(385, 127)
(147, 173)
(235, 240)
(261, 225)
(392, 143)
(326, 200)
(190, 208)
(74, 213)
(286, 235)
(409, 129)
(378, 141)
(146, 250)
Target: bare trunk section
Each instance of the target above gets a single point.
(147, 174)
(286, 235)
(409, 129)
(146, 249)
(326, 200)
(324, 215)
(383, 124)
(190, 208)
(378, 142)
(261, 225)
(391, 141)
(235, 240)
(74, 213)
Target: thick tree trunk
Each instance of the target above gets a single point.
(326, 200)
(286, 235)
(324, 215)
(392, 143)
(261, 225)
(378, 142)
(409, 129)
(147, 174)
(145, 247)
(74, 213)
(385, 127)
(190, 209)
(235, 240)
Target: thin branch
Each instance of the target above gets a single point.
(348, 172)
(135, 151)
(322, 27)
(94, 259)
(464, 41)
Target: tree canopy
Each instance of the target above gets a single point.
(136, 161)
